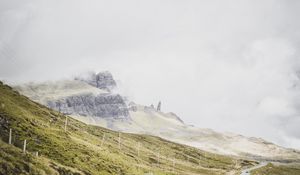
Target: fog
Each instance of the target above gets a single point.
(226, 65)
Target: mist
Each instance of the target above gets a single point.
(230, 66)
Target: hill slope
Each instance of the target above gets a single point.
(147, 120)
(168, 126)
(84, 149)
(278, 169)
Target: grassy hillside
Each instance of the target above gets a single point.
(84, 149)
(271, 169)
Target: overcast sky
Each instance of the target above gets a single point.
(227, 65)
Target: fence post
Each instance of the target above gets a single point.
(24, 146)
(10, 134)
(138, 149)
(173, 169)
(103, 137)
(119, 141)
(66, 123)
(158, 159)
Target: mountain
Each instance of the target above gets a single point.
(58, 144)
(80, 98)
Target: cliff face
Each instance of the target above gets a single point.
(91, 96)
(105, 106)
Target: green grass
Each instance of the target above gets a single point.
(272, 169)
(12, 161)
(80, 149)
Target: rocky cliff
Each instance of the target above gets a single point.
(104, 105)
(88, 96)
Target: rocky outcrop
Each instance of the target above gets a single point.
(158, 106)
(102, 80)
(103, 105)
(132, 107)
(88, 95)
(107, 105)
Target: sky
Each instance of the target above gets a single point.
(230, 65)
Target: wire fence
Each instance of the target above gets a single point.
(146, 157)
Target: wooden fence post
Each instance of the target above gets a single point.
(119, 141)
(24, 146)
(173, 169)
(138, 149)
(10, 134)
(103, 138)
(158, 159)
(66, 123)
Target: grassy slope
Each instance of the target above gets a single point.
(80, 150)
(271, 169)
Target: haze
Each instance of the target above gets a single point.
(227, 65)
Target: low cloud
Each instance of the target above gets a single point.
(231, 66)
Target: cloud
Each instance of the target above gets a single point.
(227, 65)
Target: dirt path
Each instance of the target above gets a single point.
(247, 171)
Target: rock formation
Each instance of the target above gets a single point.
(159, 106)
(102, 80)
(103, 105)
(88, 95)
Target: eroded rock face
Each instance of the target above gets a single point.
(88, 95)
(103, 105)
(102, 80)
(107, 105)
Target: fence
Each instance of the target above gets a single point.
(153, 158)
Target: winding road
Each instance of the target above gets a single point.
(247, 171)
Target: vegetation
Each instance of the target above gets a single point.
(272, 169)
(84, 149)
